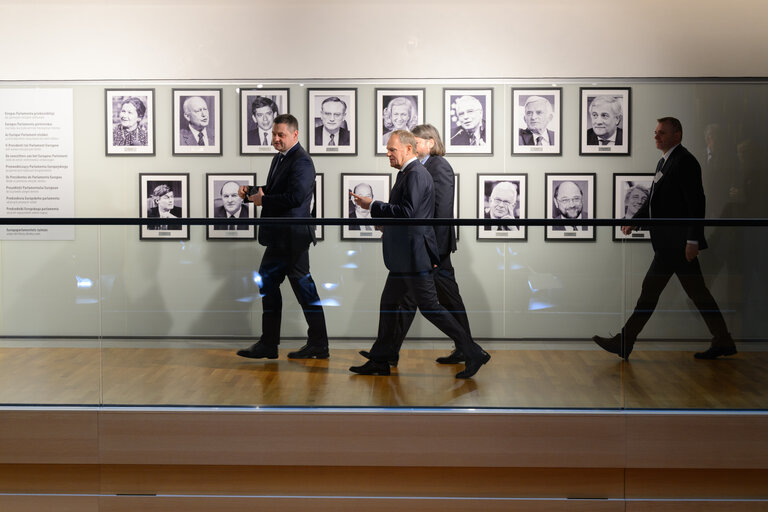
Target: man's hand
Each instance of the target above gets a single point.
(242, 191)
(627, 229)
(691, 251)
(256, 198)
(361, 201)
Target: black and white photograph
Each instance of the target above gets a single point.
(605, 121)
(223, 202)
(397, 109)
(130, 123)
(537, 124)
(258, 109)
(373, 185)
(630, 193)
(570, 197)
(164, 196)
(197, 122)
(456, 196)
(468, 121)
(502, 196)
(332, 121)
(317, 205)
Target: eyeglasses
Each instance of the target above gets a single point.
(569, 200)
(499, 202)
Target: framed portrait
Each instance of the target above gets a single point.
(197, 122)
(468, 121)
(537, 124)
(630, 193)
(502, 196)
(605, 121)
(223, 202)
(258, 109)
(332, 121)
(396, 109)
(316, 206)
(373, 185)
(569, 196)
(456, 202)
(130, 123)
(164, 196)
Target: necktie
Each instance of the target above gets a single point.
(660, 165)
(604, 142)
(200, 140)
(331, 142)
(472, 140)
(266, 142)
(231, 226)
(540, 141)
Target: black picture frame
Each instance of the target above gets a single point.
(396, 109)
(511, 192)
(468, 110)
(140, 112)
(205, 106)
(337, 107)
(586, 185)
(317, 206)
(530, 108)
(380, 185)
(628, 189)
(221, 198)
(615, 111)
(251, 138)
(150, 185)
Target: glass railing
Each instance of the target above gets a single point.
(113, 318)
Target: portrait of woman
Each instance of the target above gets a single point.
(164, 206)
(400, 114)
(634, 199)
(130, 129)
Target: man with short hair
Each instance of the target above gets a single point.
(569, 204)
(196, 133)
(231, 207)
(502, 203)
(411, 255)
(471, 123)
(605, 114)
(333, 112)
(537, 114)
(288, 193)
(676, 193)
(357, 212)
(263, 112)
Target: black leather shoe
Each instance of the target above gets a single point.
(717, 349)
(258, 351)
(392, 362)
(371, 368)
(454, 357)
(615, 346)
(309, 352)
(473, 365)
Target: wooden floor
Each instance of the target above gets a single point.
(588, 378)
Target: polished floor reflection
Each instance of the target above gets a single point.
(520, 374)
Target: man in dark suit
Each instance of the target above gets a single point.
(676, 193)
(333, 112)
(263, 113)
(470, 120)
(568, 204)
(197, 117)
(537, 114)
(411, 255)
(164, 207)
(288, 193)
(231, 207)
(605, 114)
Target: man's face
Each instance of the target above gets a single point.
(604, 120)
(469, 113)
(264, 117)
(424, 147)
(398, 152)
(568, 200)
(229, 197)
(537, 116)
(283, 138)
(363, 189)
(666, 138)
(503, 199)
(196, 113)
(332, 114)
(635, 200)
(165, 202)
(400, 115)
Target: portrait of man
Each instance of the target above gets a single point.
(468, 120)
(537, 114)
(469, 129)
(263, 113)
(231, 207)
(502, 204)
(372, 186)
(358, 212)
(258, 109)
(630, 193)
(502, 197)
(571, 197)
(605, 121)
(197, 117)
(332, 131)
(332, 118)
(197, 121)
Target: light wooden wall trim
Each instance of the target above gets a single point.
(49, 436)
(49, 503)
(697, 506)
(697, 483)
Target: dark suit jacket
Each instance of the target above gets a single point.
(342, 139)
(461, 137)
(525, 137)
(288, 193)
(154, 212)
(678, 194)
(409, 248)
(442, 178)
(220, 212)
(593, 140)
(187, 139)
(253, 138)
